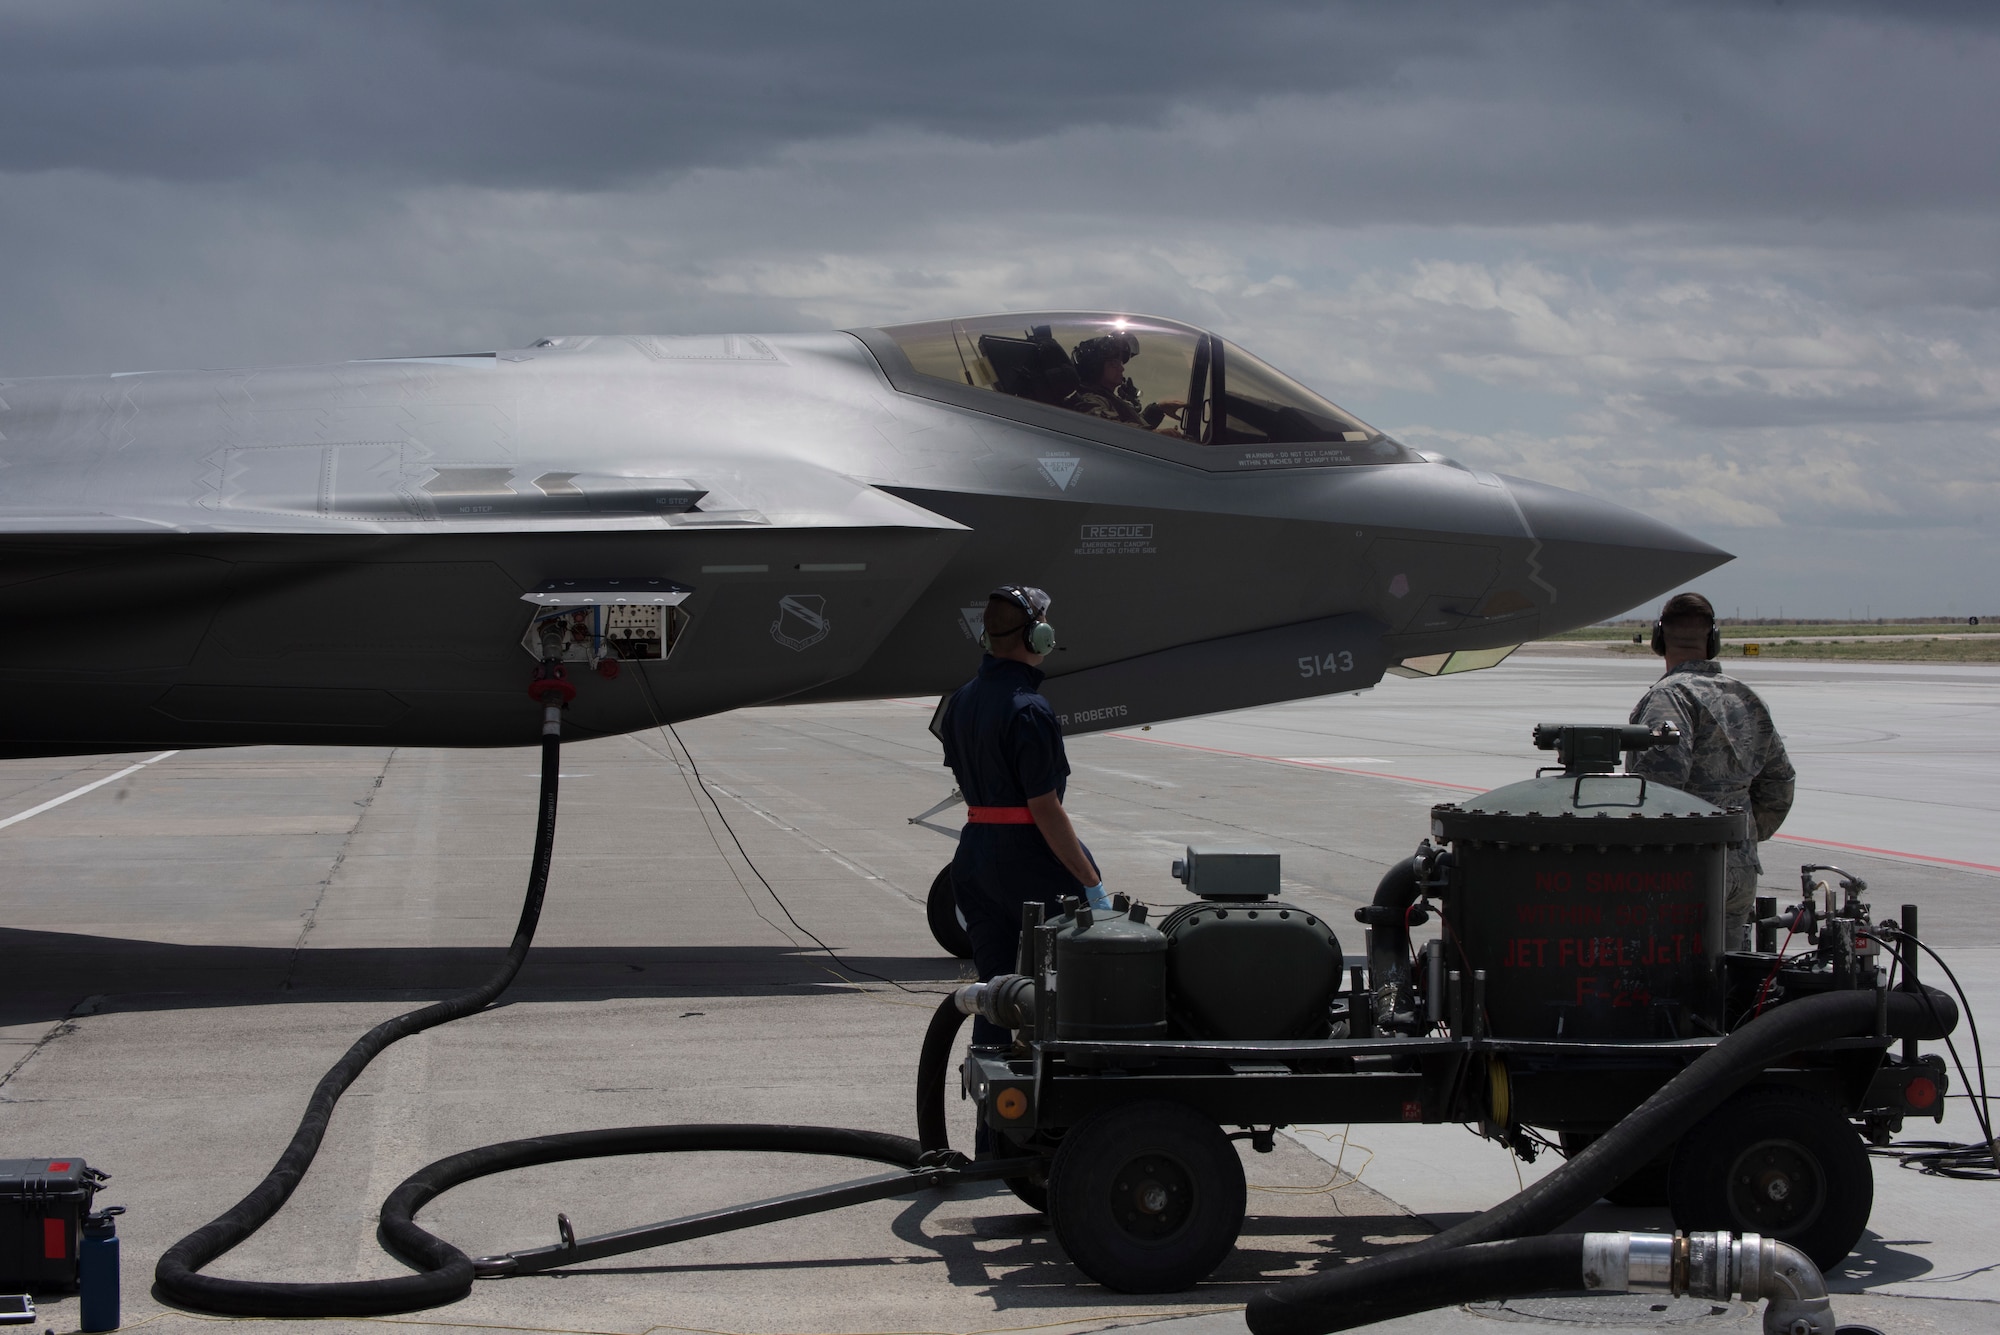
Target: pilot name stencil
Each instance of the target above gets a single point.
(1060, 469)
(1116, 540)
(802, 621)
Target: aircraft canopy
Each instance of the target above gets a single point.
(1141, 376)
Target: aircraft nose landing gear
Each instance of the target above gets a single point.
(946, 922)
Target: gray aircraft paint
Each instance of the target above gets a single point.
(338, 553)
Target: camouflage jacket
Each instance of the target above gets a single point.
(1729, 754)
(1106, 404)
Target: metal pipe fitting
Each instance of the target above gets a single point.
(1007, 1000)
(1715, 1265)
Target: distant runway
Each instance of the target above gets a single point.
(1896, 759)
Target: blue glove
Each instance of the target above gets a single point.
(1098, 899)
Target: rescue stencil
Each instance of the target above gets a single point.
(1116, 540)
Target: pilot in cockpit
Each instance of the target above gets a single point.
(1106, 392)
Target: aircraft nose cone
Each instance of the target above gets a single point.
(1602, 559)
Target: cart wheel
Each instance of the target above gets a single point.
(1646, 1186)
(1033, 1194)
(947, 923)
(1147, 1198)
(1778, 1162)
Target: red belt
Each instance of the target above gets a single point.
(999, 816)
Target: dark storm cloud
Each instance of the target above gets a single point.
(495, 92)
(1441, 112)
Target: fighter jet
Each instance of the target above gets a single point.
(380, 552)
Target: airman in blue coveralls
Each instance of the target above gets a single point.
(1005, 747)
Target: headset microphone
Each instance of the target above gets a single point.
(1038, 635)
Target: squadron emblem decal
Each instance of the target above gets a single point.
(801, 622)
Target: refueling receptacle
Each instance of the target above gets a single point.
(603, 622)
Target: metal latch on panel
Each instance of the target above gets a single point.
(604, 622)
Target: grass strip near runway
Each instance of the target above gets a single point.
(1982, 649)
(1794, 629)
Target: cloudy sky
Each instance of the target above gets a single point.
(1736, 264)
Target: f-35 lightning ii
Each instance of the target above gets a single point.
(380, 552)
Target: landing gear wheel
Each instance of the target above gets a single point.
(1147, 1198)
(1777, 1162)
(947, 923)
(1647, 1186)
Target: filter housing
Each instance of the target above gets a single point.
(1111, 975)
(1594, 903)
(1250, 969)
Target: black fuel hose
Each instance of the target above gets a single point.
(452, 1271)
(1401, 1284)
(444, 1273)
(176, 1276)
(1388, 918)
(932, 1067)
(1313, 1305)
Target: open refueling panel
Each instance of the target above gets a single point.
(599, 621)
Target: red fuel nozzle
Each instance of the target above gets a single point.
(551, 685)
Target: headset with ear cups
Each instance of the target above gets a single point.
(1038, 635)
(1660, 639)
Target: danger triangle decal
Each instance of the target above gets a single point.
(1059, 469)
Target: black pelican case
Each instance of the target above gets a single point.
(42, 1205)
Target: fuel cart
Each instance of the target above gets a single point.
(1580, 967)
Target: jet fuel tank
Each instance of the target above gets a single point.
(1592, 901)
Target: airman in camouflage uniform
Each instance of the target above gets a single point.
(1729, 753)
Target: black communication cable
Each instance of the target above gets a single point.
(709, 793)
(1946, 1158)
(659, 721)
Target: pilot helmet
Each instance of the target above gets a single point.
(1092, 353)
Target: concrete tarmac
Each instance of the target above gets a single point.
(190, 944)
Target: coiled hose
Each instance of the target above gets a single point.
(176, 1277)
(1328, 1301)
(444, 1273)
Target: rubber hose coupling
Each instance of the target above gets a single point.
(1008, 1000)
(1715, 1265)
(551, 685)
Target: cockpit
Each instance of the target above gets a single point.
(1140, 382)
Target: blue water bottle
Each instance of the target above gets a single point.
(97, 1270)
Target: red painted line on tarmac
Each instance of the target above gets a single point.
(1885, 852)
(1468, 788)
(1301, 764)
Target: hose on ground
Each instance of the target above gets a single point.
(1401, 1283)
(403, 1237)
(1313, 1305)
(177, 1276)
(933, 1065)
(444, 1272)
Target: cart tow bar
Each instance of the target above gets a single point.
(950, 1169)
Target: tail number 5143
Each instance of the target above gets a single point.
(1317, 665)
